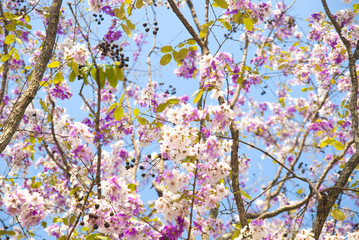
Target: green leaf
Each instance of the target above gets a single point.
(10, 27)
(120, 13)
(172, 101)
(139, 4)
(198, 96)
(127, 30)
(65, 221)
(142, 121)
(161, 107)
(53, 64)
(58, 78)
(120, 74)
(181, 54)
(72, 76)
(220, 3)
(111, 77)
(112, 107)
(2, 232)
(203, 32)
(338, 145)
(227, 25)
(338, 214)
(102, 78)
(236, 234)
(118, 113)
(136, 112)
(248, 23)
(132, 187)
(16, 56)
(166, 49)
(300, 191)
(92, 236)
(44, 224)
(323, 143)
(130, 25)
(191, 41)
(72, 219)
(36, 185)
(9, 39)
(165, 59)
(75, 189)
(5, 57)
(11, 233)
(246, 195)
(75, 68)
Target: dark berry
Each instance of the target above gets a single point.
(153, 175)
(111, 214)
(155, 23)
(154, 32)
(147, 29)
(95, 226)
(144, 25)
(107, 225)
(82, 223)
(143, 175)
(142, 167)
(149, 156)
(97, 206)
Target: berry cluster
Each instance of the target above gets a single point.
(114, 51)
(155, 30)
(128, 165)
(98, 18)
(152, 162)
(20, 10)
(171, 90)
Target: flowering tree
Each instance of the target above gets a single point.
(137, 161)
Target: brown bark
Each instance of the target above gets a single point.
(20, 106)
(327, 201)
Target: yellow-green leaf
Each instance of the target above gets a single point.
(227, 25)
(139, 4)
(191, 41)
(5, 57)
(136, 112)
(36, 185)
(111, 77)
(161, 107)
(54, 64)
(181, 54)
(58, 78)
(166, 49)
(9, 39)
(120, 12)
(127, 30)
(132, 186)
(220, 3)
(300, 191)
(118, 113)
(172, 101)
(165, 59)
(246, 195)
(338, 145)
(248, 23)
(130, 25)
(198, 96)
(142, 121)
(203, 32)
(16, 56)
(120, 74)
(75, 67)
(338, 214)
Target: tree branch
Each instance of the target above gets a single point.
(18, 110)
